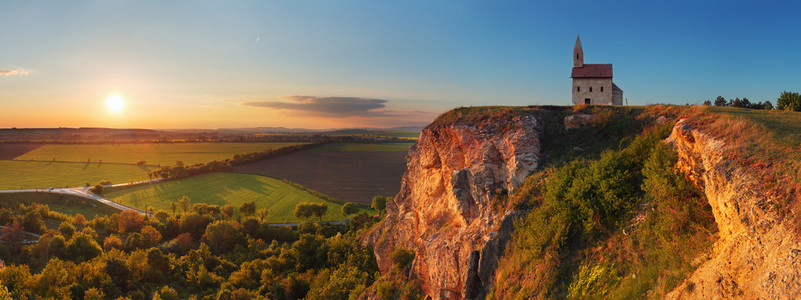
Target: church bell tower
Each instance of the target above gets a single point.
(578, 54)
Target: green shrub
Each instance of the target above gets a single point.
(402, 258)
(577, 241)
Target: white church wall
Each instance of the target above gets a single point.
(601, 90)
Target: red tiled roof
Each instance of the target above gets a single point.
(593, 71)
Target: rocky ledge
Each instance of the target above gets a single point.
(757, 255)
(448, 211)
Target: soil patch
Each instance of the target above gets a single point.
(10, 151)
(354, 176)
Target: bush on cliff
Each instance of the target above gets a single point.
(615, 227)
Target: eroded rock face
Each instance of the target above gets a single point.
(444, 210)
(757, 256)
(578, 120)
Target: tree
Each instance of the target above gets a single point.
(349, 209)
(168, 293)
(4, 293)
(32, 222)
(380, 203)
(112, 241)
(6, 216)
(130, 221)
(247, 209)
(306, 210)
(97, 189)
(319, 209)
(12, 235)
(720, 101)
(57, 247)
(94, 294)
(183, 203)
(223, 235)
(227, 211)
(150, 236)
(82, 247)
(194, 224)
(66, 229)
(303, 211)
(262, 214)
(201, 208)
(80, 220)
(789, 101)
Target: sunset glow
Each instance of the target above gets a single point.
(271, 64)
(115, 103)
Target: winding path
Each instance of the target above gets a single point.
(84, 193)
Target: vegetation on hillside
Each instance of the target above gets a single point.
(608, 217)
(197, 254)
(622, 226)
(789, 101)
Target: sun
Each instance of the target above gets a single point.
(115, 103)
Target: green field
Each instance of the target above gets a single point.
(34, 174)
(225, 188)
(371, 147)
(152, 154)
(65, 204)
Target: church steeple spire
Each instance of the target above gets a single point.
(578, 54)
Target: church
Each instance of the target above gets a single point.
(592, 83)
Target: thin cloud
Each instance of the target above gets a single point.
(6, 72)
(329, 106)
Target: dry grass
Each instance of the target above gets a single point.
(580, 108)
(761, 144)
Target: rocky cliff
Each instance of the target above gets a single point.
(757, 255)
(448, 210)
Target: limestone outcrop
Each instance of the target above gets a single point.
(757, 255)
(448, 209)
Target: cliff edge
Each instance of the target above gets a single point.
(757, 255)
(446, 210)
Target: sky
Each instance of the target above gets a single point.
(372, 63)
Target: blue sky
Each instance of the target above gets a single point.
(322, 64)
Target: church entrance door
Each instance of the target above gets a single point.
(586, 100)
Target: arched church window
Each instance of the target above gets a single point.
(578, 89)
(602, 89)
(577, 56)
(590, 89)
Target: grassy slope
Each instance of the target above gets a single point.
(671, 238)
(65, 204)
(226, 188)
(783, 126)
(597, 262)
(767, 142)
(27, 174)
(164, 154)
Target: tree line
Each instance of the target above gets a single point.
(179, 170)
(790, 101)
